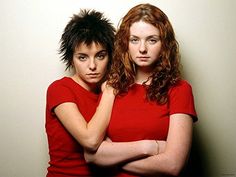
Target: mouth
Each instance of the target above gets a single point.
(93, 75)
(143, 58)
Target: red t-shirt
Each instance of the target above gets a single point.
(134, 118)
(66, 155)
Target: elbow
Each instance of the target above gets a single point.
(90, 151)
(174, 163)
(174, 169)
(91, 144)
(89, 158)
(174, 172)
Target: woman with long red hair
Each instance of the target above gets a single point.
(153, 101)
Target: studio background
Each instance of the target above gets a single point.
(29, 40)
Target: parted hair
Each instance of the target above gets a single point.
(166, 72)
(86, 27)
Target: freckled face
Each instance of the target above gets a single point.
(144, 44)
(90, 63)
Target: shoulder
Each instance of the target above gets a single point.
(181, 99)
(60, 85)
(181, 86)
(61, 89)
(182, 89)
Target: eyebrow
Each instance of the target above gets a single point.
(101, 51)
(154, 35)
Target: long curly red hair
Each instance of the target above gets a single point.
(167, 70)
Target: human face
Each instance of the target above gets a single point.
(144, 44)
(90, 63)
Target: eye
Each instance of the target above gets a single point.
(153, 40)
(81, 57)
(134, 40)
(101, 55)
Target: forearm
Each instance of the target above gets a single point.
(99, 122)
(157, 165)
(113, 153)
(173, 159)
(88, 134)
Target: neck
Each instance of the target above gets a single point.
(142, 75)
(92, 87)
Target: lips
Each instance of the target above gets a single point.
(93, 74)
(143, 58)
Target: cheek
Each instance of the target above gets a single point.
(79, 70)
(132, 52)
(132, 48)
(156, 52)
(103, 65)
(79, 67)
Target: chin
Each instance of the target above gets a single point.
(93, 81)
(144, 65)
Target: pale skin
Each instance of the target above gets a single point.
(144, 48)
(112, 153)
(90, 64)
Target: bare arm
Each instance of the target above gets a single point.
(91, 134)
(173, 159)
(113, 153)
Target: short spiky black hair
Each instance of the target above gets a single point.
(86, 27)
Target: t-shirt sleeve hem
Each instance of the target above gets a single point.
(192, 115)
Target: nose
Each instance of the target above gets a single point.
(92, 65)
(143, 47)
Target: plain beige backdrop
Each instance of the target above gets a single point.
(29, 40)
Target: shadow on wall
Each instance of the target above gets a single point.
(197, 164)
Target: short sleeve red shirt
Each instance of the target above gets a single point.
(134, 118)
(66, 154)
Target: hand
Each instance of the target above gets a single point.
(103, 86)
(106, 87)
